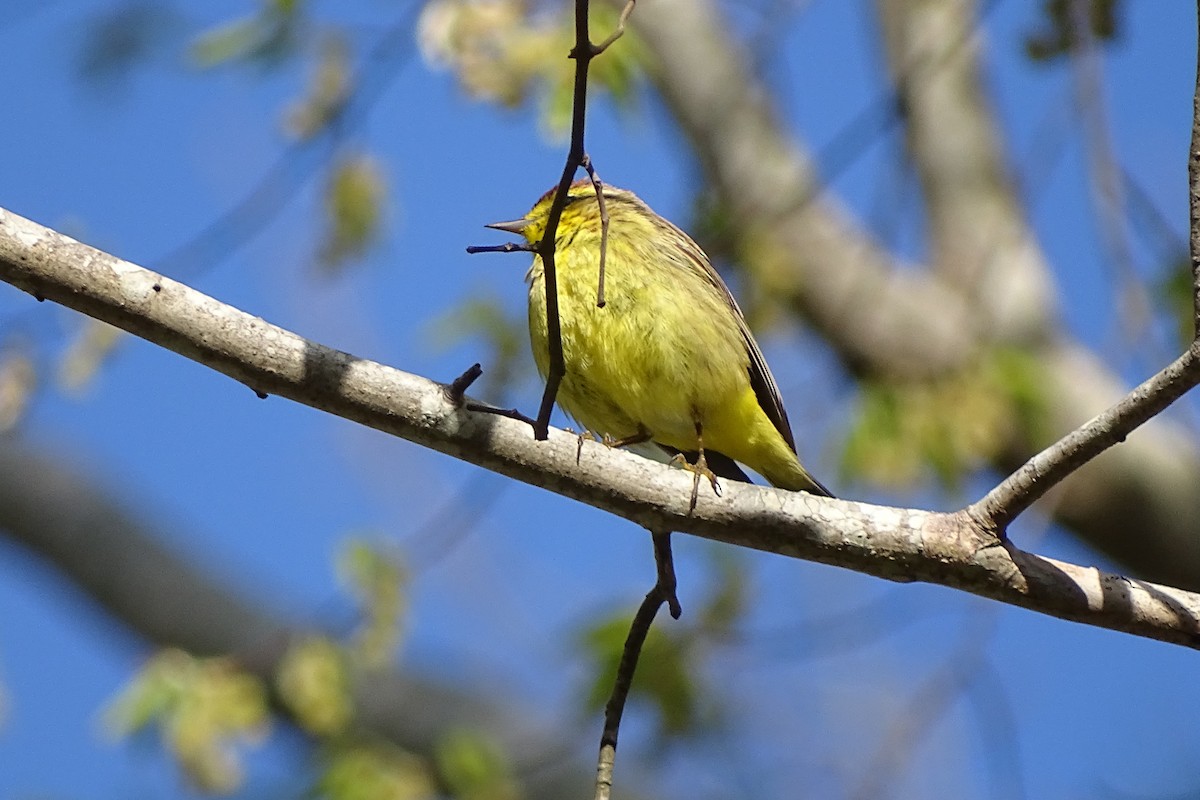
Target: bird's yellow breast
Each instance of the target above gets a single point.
(664, 352)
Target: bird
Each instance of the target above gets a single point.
(667, 359)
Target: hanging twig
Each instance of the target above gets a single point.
(598, 186)
(663, 592)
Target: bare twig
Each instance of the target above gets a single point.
(1018, 491)
(1194, 200)
(598, 187)
(663, 592)
(455, 392)
(664, 563)
(458, 387)
(619, 31)
(507, 247)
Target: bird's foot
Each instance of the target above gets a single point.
(698, 470)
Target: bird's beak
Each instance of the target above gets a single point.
(512, 226)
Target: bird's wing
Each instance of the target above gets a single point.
(761, 379)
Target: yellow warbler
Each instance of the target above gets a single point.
(668, 358)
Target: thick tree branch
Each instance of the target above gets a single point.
(897, 544)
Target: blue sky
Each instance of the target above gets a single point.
(264, 492)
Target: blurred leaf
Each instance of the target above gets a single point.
(507, 338)
(354, 200)
(227, 42)
(374, 772)
(327, 92)
(615, 71)
(266, 37)
(617, 68)
(201, 708)
(713, 226)
(1056, 35)
(505, 50)
(18, 379)
(313, 681)
(378, 582)
(475, 767)
(949, 426)
(664, 680)
(1174, 293)
(725, 599)
(123, 37)
(94, 343)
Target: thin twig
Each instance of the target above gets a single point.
(1018, 491)
(511, 413)
(618, 32)
(664, 563)
(507, 247)
(615, 707)
(1194, 200)
(458, 387)
(456, 391)
(598, 187)
(663, 592)
(582, 53)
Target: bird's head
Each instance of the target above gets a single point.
(580, 209)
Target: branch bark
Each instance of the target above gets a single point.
(898, 544)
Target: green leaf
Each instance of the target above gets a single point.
(475, 767)
(201, 707)
(379, 583)
(374, 771)
(227, 42)
(507, 337)
(1174, 294)
(354, 201)
(664, 679)
(947, 426)
(314, 682)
